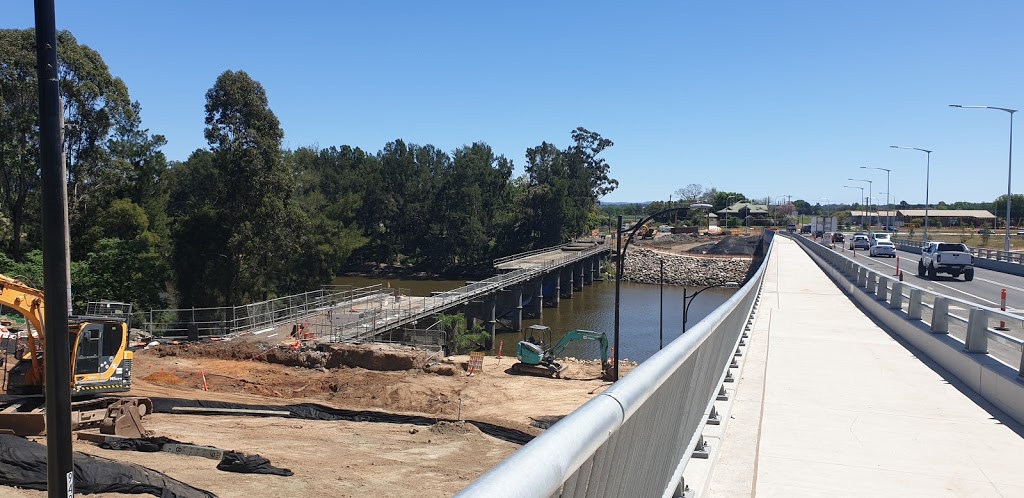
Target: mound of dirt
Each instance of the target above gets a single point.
(730, 245)
(370, 357)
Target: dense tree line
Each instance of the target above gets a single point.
(244, 219)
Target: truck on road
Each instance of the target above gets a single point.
(944, 257)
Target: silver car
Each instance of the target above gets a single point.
(882, 248)
(860, 242)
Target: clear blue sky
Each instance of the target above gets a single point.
(765, 98)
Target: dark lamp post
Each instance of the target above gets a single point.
(687, 301)
(620, 252)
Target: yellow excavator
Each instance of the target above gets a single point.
(100, 364)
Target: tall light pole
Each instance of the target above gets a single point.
(727, 199)
(1009, 168)
(927, 181)
(858, 202)
(869, 197)
(887, 205)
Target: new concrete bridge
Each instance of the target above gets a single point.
(820, 377)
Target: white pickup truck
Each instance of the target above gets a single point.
(944, 257)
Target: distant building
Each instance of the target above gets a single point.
(758, 213)
(950, 217)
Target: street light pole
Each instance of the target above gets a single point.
(888, 222)
(870, 195)
(687, 301)
(620, 251)
(661, 305)
(1009, 168)
(927, 181)
(861, 196)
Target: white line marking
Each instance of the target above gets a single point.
(1000, 284)
(263, 331)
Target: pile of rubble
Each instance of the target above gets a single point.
(644, 266)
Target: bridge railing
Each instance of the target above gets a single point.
(506, 259)
(977, 343)
(635, 438)
(386, 317)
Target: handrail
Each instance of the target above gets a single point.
(635, 438)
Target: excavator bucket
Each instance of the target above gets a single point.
(123, 419)
(23, 424)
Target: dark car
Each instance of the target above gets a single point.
(838, 237)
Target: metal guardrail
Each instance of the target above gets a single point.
(974, 330)
(993, 254)
(228, 319)
(513, 257)
(397, 314)
(635, 438)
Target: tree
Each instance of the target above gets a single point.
(1016, 208)
(691, 193)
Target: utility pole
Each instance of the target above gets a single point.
(60, 474)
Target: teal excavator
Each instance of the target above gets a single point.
(535, 358)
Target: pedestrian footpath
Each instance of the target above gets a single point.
(829, 404)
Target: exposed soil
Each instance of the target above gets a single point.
(347, 458)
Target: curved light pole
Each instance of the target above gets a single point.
(887, 205)
(620, 252)
(927, 175)
(870, 195)
(687, 301)
(858, 202)
(1009, 168)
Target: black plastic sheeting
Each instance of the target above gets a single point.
(312, 411)
(23, 465)
(232, 461)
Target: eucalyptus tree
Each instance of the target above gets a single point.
(94, 103)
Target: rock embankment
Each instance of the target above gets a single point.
(642, 266)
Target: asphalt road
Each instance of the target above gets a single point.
(985, 289)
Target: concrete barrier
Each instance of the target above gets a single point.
(995, 381)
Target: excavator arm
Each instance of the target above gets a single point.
(29, 302)
(582, 335)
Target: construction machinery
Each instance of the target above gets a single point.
(100, 364)
(536, 357)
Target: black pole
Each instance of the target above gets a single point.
(684, 309)
(661, 307)
(57, 356)
(618, 281)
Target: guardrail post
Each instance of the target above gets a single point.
(862, 277)
(940, 315)
(977, 332)
(914, 306)
(896, 298)
(881, 288)
(872, 282)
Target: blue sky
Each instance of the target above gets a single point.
(764, 98)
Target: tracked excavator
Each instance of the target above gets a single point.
(535, 359)
(100, 364)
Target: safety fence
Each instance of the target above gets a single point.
(391, 311)
(635, 438)
(204, 322)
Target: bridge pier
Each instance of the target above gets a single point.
(537, 305)
(517, 308)
(590, 269)
(566, 275)
(583, 274)
(558, 289)
(488, 306)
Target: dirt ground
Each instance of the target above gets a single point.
(347, 458)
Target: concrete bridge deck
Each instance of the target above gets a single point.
(829, 404)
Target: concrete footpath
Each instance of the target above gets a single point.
(829, 404)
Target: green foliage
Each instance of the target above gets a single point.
(461, 339)
(29, 270)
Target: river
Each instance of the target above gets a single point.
(594, 309)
